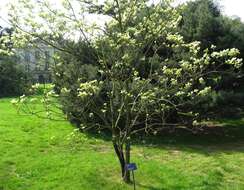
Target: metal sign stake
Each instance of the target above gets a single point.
(131, 167)
(134, 180)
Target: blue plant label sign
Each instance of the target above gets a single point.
(131, 167)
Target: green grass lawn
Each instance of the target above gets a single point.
(47, 155)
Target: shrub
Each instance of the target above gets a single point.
(71, 70)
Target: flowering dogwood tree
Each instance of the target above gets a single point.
(145, 72)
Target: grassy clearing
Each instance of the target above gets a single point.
(38, 154)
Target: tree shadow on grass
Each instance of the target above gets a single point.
(213, 138)
(227, 138)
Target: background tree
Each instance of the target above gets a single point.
(204, 21)
(13, 79)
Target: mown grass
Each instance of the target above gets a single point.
(37, 154)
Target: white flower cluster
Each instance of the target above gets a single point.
(87, 89)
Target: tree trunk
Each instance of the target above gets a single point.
(127, 161)
(119, 152)
(123, 160)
